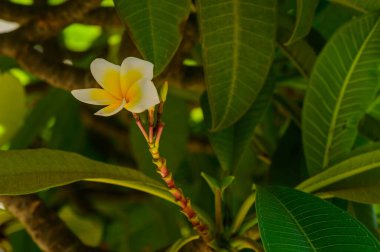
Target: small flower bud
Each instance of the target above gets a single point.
(164, 91)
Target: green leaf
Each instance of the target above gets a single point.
(12, 107)
(28, 171)
(238, 39)
(356, 178)
(88, 229)
(215, 185)
(182, 242)
(365, 213)
(231, 143)
(226, 182)
(79, 37)
(362, 188)
(300, 52)
(304, 20)
(155, 27)
(290, 220)
(212, 182)
(360, 5)
(343, 83)
(243, 211)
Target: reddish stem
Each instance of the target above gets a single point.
(182, 201)
(141, 127)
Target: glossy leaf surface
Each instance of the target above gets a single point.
(343, 83)
(290, 220)
(236, 55)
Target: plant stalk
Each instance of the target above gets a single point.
(182, 201)
(218, 212)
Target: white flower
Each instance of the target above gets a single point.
(127, 86)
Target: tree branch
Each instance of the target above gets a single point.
(57, 74)
(44, 226)
(104, 16)
(23, 14)
(52, 21)
(19, 13)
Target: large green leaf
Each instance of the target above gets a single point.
(362, 188)
(28, 171)
(304, 20)
(155, 27)
(360, 5)
(230, 144)
(356, 178)
(343, 83)
(238, 40)
(290, 220)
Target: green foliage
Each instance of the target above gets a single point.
(78, 37)
(261, 94)
(155, 27)
(290, 220)
(89, 230)
(12, 107)
(359, 5)
(355, 178)
(218, 186)
(39, 117)
(27, 171)
(300, 52)
(343, 83)
(231, 143)
(238, 43)
(304, 20)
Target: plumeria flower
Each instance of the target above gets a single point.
(127, 86)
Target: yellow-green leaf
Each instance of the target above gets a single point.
(12, 107)
(28, 171)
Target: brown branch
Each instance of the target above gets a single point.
(68, 77)
(44, 226)
(105, 16)
(42, 66)
(23, 14)
(48, 23)
(19, 13)
(57, 74)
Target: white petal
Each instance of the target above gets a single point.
(95, 96)
(143, 66)
(107, 75)
(141, 96)
(7, 26)
(133, 70)
(111, 109)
